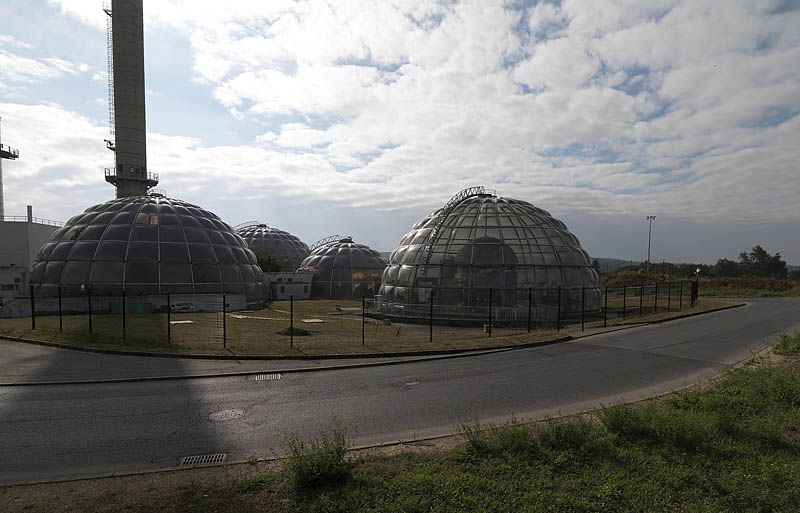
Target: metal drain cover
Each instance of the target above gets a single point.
(203, 459)
(221, 416)
(267, 377)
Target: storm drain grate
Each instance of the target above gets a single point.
(203, 459)
(268, 377)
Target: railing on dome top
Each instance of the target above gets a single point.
(247, 224)
(328, 240)
(479, 190)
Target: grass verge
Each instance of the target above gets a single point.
(730, 446)
(265, 332)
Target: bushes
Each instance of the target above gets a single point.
(788, 344)
(319, 462)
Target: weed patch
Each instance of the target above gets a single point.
(319, 462)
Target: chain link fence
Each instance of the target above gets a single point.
(210, 323)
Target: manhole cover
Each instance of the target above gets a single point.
(221, 416)
(203, 459)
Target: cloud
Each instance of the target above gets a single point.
(590, 107)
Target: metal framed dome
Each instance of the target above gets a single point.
(343, 269)
(147, 245)
(287, 248)
(479, 241)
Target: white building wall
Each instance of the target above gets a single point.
(20, 241)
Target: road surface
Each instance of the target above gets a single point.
(67, 431)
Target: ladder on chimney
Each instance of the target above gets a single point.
(110, 49)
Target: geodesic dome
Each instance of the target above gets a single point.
(480, 242)
(288, 249)
(146, 245)
(343, 269)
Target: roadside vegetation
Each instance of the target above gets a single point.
(733, 446)
(756, 273)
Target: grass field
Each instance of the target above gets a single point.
(733, 446)
(259, 332)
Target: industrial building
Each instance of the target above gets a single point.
(21, 238)
(286, 249)
(343, 269)
(142, 243)
(480, 247)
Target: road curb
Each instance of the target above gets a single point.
(412, 357)
(296, 370)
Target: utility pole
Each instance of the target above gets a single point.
(649, 238)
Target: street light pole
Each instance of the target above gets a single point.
(649, 238)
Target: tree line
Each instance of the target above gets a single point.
(756, 262)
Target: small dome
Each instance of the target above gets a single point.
(487, 242)
(287, 248)
(147, 245)
(343, 269)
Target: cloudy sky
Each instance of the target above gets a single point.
(358, 117)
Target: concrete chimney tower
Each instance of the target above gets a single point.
(126, 37)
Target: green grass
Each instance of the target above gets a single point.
(258, 332)
(788, 344)
(318, 463)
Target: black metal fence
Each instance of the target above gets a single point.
(210, 322)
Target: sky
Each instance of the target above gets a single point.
(359, 117)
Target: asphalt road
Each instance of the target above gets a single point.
(67, 431)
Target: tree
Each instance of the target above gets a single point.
(596, 265)
(268, 263)
(725, 267)
(760, 263)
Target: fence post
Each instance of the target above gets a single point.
(291, 320)
(33, 310)
(655, 303)
(530, 299)
(558, 311)
(490, 312)
(363, 319)
(124, 317)
(169, 320)
(680, 296)
(224, 322)
(605, 309)
(60, 316)
(89, 292)
(624, 299)
(430, 321)
(583, 305)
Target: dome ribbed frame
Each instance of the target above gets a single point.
(489, 242)
(146, 245)
(344, 270)
(287, 248)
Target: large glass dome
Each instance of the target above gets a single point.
(147, 245)
(343, 269)
(288, 249)
(478, 242)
